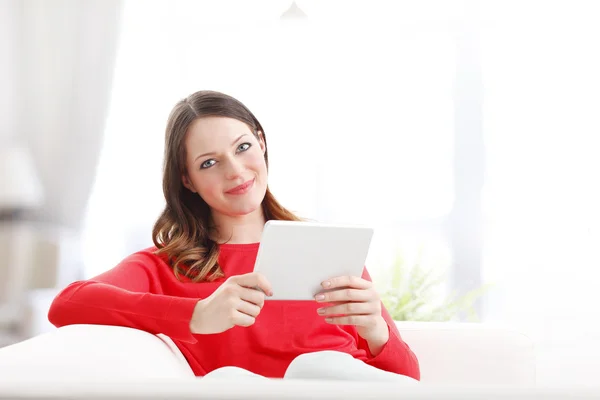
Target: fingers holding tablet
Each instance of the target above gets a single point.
(235, 303)
(355, 301)
(254, 280)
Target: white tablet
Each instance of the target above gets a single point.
(297, 256)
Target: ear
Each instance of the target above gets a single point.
(187, 183)
(261, 141)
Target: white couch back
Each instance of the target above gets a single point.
(469, 353)
(448, 354)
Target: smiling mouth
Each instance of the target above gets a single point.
(241, 189)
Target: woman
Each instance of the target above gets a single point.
(196, 284)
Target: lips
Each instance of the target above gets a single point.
(241, 189)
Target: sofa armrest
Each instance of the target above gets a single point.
(92, 352)
(469, 353)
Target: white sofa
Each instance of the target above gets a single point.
(93, 361)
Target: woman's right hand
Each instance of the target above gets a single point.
(236, 302)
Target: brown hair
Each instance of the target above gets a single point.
(182, 229)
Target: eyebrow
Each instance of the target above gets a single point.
(213, 153)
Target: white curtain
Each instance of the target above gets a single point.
(63, 59)
(55, 79)
(356, 101)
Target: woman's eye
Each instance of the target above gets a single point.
(244, 146)
(207, 164)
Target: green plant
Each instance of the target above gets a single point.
(415, 293)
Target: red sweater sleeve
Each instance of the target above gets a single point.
(123, 296)
(396, 356)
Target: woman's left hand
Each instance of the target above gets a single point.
(355, 302)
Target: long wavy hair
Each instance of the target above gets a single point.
(182, 231)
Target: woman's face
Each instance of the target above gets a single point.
(226, 165)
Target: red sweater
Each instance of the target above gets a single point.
(142, 292)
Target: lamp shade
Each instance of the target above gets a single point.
(293, 13)
(20, 186)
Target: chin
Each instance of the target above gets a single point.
(240, 211)
(244, 210)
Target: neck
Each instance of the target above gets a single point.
(239, 229)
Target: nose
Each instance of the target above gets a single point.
(234, 169)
